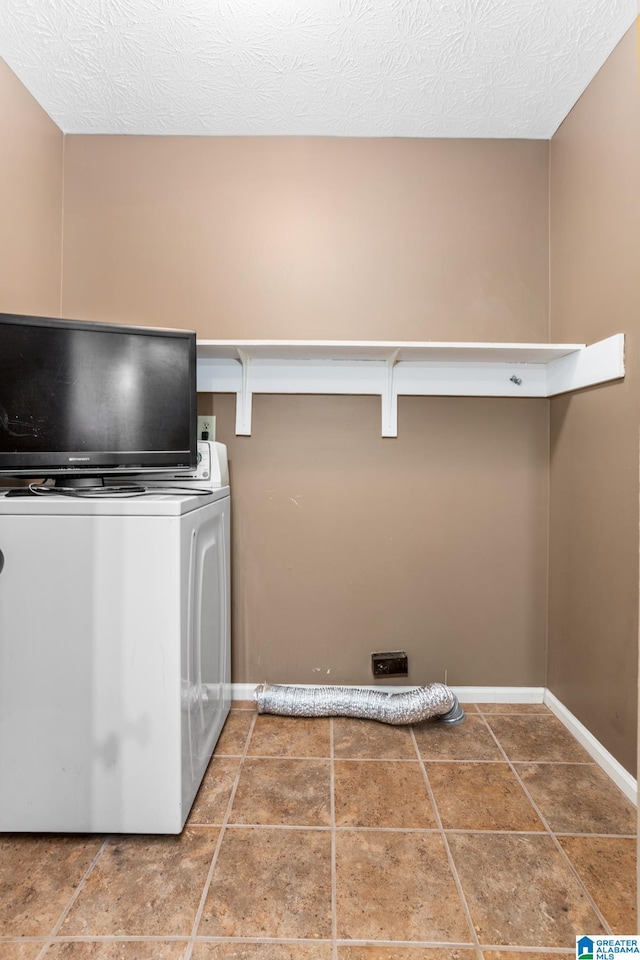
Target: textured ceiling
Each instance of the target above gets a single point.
(380, 68)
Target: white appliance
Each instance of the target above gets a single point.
(114, 658)
(211, 472)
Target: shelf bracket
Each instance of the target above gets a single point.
(389, 398)
(600, 362)
(244, 397)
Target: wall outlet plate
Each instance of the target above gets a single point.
(207, 425)
(393, 663)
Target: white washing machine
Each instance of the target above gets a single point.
(114, 659)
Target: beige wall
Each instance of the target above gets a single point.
(298, 237)
(31, 157)
(434, 542)
(595, 292)
(345, 543)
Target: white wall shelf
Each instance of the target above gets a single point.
(390, 370)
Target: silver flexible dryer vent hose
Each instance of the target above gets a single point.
(435, 700)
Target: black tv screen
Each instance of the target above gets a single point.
(84, 398)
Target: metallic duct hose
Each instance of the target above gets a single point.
(434, 700)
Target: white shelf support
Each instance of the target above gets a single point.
(390, 370)
(598, 363)
(389, 399)
(244, 397)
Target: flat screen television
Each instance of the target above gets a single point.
(82, 401)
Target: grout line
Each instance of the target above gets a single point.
(555, 951)
(278, 756)
(557, 763)
(334, 868)
(229, 825)
(281, 756)
(323, 941)
(360, 829)
(599, 836)
(452, 945)
(551, 834)
(495, 833)
(350, 829)
(294, 758)
(216, 852)
(74, 896)
(457, 945)
(285, 941)
(547, 763)
(109, 938)
(452, 866)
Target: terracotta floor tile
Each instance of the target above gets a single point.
(464, 741)
(508, 708)
(370, 740)
(234, 734)
(262, 951)
(578, 798)
(409, 870)
(20, 951)
(481, 796)
(470, 707)
(537, 738)
(381, 794)
(144, 886)
(38, 875)
(290, 737)
(520, 890)
(406, 953)
(607, 867)
(243, 705)
(275, 883)
(212, 799)
(270, 883)
(118, 950)
(276, 791)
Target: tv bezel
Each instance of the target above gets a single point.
(56, 464)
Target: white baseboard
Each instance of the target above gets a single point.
(621, 777)
(499, 694)
(245, 691)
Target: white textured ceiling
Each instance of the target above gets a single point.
(380, 68)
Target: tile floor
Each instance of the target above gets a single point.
(347, 840)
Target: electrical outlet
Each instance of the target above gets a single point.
(206, 425)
